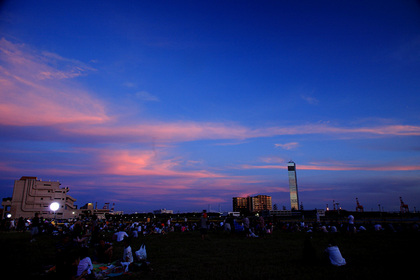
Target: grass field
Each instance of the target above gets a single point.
(221, 256)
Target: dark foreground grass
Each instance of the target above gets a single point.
(221, 256)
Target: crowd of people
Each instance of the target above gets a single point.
(251, 226)
(82, 243)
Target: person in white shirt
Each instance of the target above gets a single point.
(334, 255)
(351, 227)
(121, 235)
(127, 254)
(85, 265)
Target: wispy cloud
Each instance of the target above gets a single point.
(146, 163)
(45, 81)
(408, 52)
(287, 146)
(35, 89)
(146, 96)
(272, 160)
(336, 166)
(309, 99)
(130, 84)
(191, 131)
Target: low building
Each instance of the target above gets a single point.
(163, 211)
(32, 195)
(281, 213)
(100, 213)
(231, 214)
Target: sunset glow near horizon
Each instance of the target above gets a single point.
(185, 104)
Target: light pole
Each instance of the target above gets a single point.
(54, 207)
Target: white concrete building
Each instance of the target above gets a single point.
(31, 196)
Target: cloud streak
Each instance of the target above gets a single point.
(192, 131)
(287, 146)
(339, 167)
(43, 80)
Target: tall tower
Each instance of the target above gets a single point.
(294, 198)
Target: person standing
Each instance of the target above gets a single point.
(21, 225)
(246, 226)
(203, 225)
(261, 226)
(351, 227)
(34, 227)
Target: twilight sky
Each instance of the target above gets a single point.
(186, 104)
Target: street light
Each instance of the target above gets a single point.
(54, 207)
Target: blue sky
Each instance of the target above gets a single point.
(186, 104)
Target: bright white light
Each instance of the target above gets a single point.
(54, 206)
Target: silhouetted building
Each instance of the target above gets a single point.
(163, 211)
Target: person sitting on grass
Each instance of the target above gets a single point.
(104, 252)
(127, 254)
(334, 254)
(68, 270)
(85, 265)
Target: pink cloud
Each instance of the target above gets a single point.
(163, 132)
(204, 200)
(272, 160)
(191, 131)
(6, 167)
(136, 163)
(33, 90)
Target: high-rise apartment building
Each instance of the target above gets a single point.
(261, 202)
(239, 204)
(252, 203)
(294, 197)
